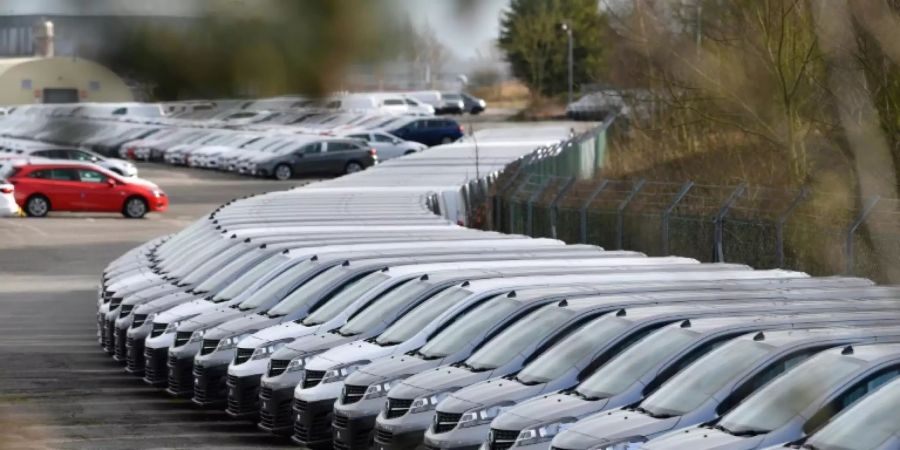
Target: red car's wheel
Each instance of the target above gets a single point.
(37, 206)
(135, 208)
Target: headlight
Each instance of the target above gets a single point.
(173, 326)
(631, 444)
(339, 373)
(196, 336)
(542, 433)
(267, 350)
(427, 402)
(380, 389)
(157, 193)
(482, 416)
(149, 319)
(297, 364)
(232, 342)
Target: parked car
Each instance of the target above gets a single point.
(387, 145)
(451, 104)
(40, 188)
(8, 206)
(117, 166)
(470, 103)
(331, 156)
(428, 131)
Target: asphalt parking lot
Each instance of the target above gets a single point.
(57, 388)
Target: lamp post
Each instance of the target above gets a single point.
(565, 27)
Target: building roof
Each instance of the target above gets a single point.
(158, 8)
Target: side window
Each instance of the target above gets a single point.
(617, 348)
(849, 397)
(90, 176)
(41, 153)
(684, 361)
(382, 138)
(364, 137)
(78, 155)
(339, 147)
(42, 174)
(312, 149)
(64, 174)
(761, 378)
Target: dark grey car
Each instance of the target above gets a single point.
(319, 156)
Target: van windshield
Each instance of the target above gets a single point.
(249, 277)
(876, 414)
(627, 367)
(512, 341)
(559, 358)
(688, 389)
(780, 400)
(310, 292)
(285, 280)
(344, 299)
(228, 272)
(414, 321)
(384, 308)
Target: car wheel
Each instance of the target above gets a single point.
(283, 172)
(37, 206)
(446, 140)
(353, 167)
(135, 208)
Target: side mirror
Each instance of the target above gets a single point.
(94, 159)
(111, 182)
(397, 141)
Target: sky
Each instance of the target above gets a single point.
(464, 31)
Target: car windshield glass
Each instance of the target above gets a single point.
(228, 273)
(627, 367)
(692, 386)
(868, 425)
(341, 301)
(784, 397)
(210, 266)
(384, 308)
(557, 360)
(310, 292)
(414, 321)
(276, 286)
(249, 277)
(503, 347)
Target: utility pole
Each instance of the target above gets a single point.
(565, 27)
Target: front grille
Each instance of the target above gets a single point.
(319, 429)
(339, 420)
(352, 394)
(280, 419)
(125, 310)
(312, 378)
(446, 422)
(209, 346)
(109, 335)
(200, 393)
(134, 350)
(383, 436)
(242, 355)
(300, 406)
(241, 401)
(231, 380)
(397, 407)
(158, 329)
(138, 320)
(502, 439)
(119, 343)
(114, 303)
(277, 367)
(181, 338)
(155, 369)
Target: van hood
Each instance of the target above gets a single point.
(210, 319)
(705, 438)
(345, 354)
(165, 302)
(183, 310)
(610, 428)
(240, 325)
(309, 345)
(152, 293)
(546, 409)
(436, 380)
(389, 368)
(284, 330)
(489, 392)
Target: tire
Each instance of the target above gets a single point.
(353, 167)
(283, 172)
(37, 206)
(135, 208)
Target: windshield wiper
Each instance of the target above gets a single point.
(651, 413)
(578, 394)
(745, 433)
(272, 316)
(341, 333)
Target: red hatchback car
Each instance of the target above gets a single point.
(42, 187)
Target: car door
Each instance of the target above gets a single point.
(386, 146)
(62, 188)
(97, 193)
(310, 158)
(336, 156)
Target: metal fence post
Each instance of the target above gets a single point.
(553, 211)
(782, 220)
(624, 204)
(849, 257)
(499, 196)
(668, 211)
(510, 208)
(719, 221)
(529, 224)
(582, 212)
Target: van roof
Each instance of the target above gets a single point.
(792, 337)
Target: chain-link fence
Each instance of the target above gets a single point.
(817, 232)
